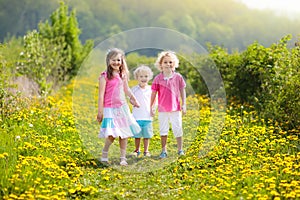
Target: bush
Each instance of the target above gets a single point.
(280, 91)
(266, 77)
(8, 100)
(54, 54)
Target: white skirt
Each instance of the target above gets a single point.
(118, 122)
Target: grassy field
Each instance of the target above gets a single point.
(49, 150)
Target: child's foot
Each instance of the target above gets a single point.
(104, 161)
(163, 154)
(123, 161)
(104, 157)
(181, 153)
(136, 153)
(147, 154)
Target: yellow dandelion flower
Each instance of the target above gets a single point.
(85, 190)
(5, 154)
(72, 190)
(13, 196)
(292, 194)
(274, 192)
(104, 171)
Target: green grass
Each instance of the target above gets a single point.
(50, 150)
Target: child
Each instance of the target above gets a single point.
(142, 92)
(170, 87)
(113, 111)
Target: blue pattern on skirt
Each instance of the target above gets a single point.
(118, 122)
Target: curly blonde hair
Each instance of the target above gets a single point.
(164, 54)
(143, 68)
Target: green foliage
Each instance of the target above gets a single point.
(227, 64)
(135, 59)
(192, 75)
(64, 25)
(19, 17)
(37, 59)
(42, 156)
(282, 86)
(4, 77)
(54, 54)
(8, 99)
(266, 77)
(222, 22)
(250, 73)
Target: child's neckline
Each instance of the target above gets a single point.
(115, 74)
(142, 87)
(166, 77)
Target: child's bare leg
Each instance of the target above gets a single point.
(108, 141)
(179, 143)
(137, 144)
(123, 146)
(164, 143)
(146, 145)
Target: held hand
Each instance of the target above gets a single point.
(99, 117)
(134, 102)
(152, 112)
(183, 109)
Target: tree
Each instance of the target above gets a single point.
(18, 17)
(66, 27)
(55, 53)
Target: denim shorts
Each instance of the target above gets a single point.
(147, 129)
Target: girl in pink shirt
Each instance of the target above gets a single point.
(113, 111)
(170, 88)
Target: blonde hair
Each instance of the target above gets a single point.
(143, 68)
(164, 54)
(123, 71)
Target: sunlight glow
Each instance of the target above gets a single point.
(282, 7)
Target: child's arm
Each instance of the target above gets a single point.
(153, 103)
(183, 99)
(131, 96)
(102, 84)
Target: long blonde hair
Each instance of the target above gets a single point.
(123, 70)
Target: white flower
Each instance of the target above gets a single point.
(30, 125)
(18, 137)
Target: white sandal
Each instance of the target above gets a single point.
(123, 161)
(104, 158)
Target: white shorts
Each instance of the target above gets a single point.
(176, 121)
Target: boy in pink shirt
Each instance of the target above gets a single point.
(170, 88)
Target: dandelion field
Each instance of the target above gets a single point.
(46, 153)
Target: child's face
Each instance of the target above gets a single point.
(143, 78)
(116, 62)
(168, 64)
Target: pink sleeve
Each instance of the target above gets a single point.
(154, 85)
(103, 74)
(182, 83)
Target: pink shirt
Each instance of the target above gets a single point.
(114, 96)
(168, 90)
